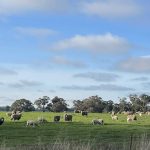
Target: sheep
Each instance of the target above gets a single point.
(1, 120)
(131, 118)
(16, 116)
(140, 114)
(98, 122)
(113, 113)
(114, 117)
(41, 120)
(32, 123)
(148, 112)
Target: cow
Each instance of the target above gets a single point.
(77, 111)
(84, 113)
(56, 118)
(68, 117)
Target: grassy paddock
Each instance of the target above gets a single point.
(78, 131)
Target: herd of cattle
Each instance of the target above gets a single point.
(16, 115)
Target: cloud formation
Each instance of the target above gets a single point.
(112, 9)
(106, 43)
(35, 32)
(15, 7)
(102, 87)
(25, 83)
(5, 100)
(58, 60)
(100, 77)
(5, 71)
(136, 64)
(141, 79)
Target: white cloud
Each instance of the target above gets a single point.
(140, 79)
(25, 83)
(98, 76)
(6, 71)
(37, 32)
(67, 62)
(11, 7)
(102, 87)
(137, 64)
(112, 8)
(106, 43)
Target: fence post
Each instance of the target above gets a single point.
(131, 140)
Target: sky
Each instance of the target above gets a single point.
(73, 49)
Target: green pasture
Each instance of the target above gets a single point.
(79, 130)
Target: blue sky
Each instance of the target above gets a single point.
(73, 49)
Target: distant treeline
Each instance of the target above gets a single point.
(90, 104)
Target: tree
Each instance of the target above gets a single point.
(41, 102)
(78, 105)
(136, 102)
(116, 108)
(22, 105)
(49, 107)
(108, 106)
(58, 104)
(145, 100)
(8, 108)
(139, 103)
(93, 104)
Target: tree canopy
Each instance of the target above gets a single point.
(41, 102)
(22, 105)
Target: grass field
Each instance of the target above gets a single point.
(79, 131)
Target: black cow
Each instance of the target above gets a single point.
(1, 121)
(77, 111)
(84, 113)
(56, 118)
(68, 117)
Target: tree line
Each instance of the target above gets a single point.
(91, 104)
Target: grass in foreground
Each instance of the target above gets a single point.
(78, 131)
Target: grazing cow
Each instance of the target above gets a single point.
(84, 113)
(68, 117)
(16, 116)
(1, 121)
(97, 122)
(77, 111)
(56, 118)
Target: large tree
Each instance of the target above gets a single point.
(78, 104)
(22, 105)
(91, 104)
(58, 104)
(140, 103)
(41, 102)
(108, 106)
